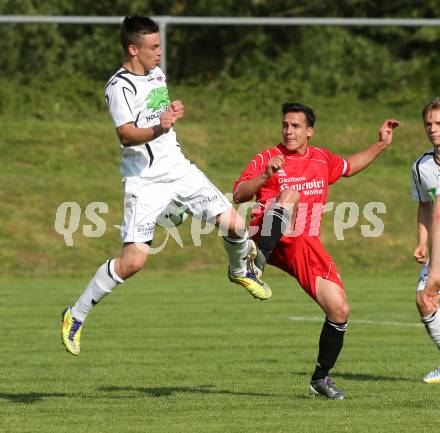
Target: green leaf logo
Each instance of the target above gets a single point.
(158, 98)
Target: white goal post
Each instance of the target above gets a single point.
(164, 21)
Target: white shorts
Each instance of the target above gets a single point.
(144, 201)
(423, 278)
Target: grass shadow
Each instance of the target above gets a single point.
(28, 397)
(374, 377)
(361, 377)
(167, 391)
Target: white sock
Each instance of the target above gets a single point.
(104, 281)
(237, 251)
(432, 325)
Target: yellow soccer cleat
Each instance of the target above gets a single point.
(71, 332)
(256, 287)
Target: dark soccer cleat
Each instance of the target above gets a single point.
(326, 388)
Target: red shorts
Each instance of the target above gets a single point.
(305, 258)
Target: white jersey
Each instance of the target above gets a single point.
(141, 99)
(425, 178)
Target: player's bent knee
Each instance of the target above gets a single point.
(340, 313)
(138, 263)
(345, 312)
(288, 197)
(425, 308)
(231, 222)
(133, 265)
(237, 226)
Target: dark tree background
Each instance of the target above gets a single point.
(328, 60)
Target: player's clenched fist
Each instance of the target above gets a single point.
(274, 165)
(177, 109)
(420, 254)
(167, 120)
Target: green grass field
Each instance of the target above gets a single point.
(189, 352)
(76, 159)
(178, 349)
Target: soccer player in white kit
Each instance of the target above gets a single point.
(155, 174)
(426, 174)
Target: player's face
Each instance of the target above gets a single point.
(148, 51)
(432, 127)
(296, 132)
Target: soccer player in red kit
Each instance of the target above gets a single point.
(290, 182)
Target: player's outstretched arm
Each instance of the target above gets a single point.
(363, 159)
(249, 188)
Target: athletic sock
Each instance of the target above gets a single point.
(432, 325)
(104, 281)
(275, 222)
(330, 346)
(237, 251)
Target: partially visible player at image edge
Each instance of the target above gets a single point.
(155, 174)
(290, 182)
(425, 181)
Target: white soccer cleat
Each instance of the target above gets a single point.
(432, 377)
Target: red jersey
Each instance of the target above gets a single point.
(309, 174)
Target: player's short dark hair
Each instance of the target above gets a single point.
(296, 107)
(133, 27)
(430, 106)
